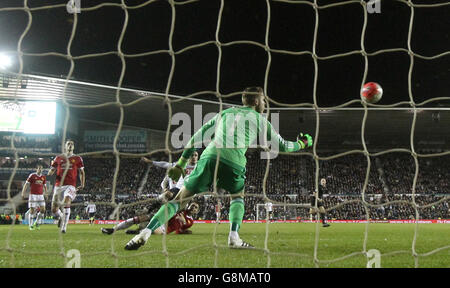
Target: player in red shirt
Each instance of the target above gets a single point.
(180, 222)
(218, 211)
(36, 199)
(66, 167)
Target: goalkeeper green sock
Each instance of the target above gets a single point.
(160, 217)
(236, 214)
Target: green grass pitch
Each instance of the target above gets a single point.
(288, 244)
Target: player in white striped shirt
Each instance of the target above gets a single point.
(169, 187)
(91, 209)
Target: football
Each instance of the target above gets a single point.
(371, 92)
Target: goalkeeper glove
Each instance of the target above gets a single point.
(177, 171)
(305, 140)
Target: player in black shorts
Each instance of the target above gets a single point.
(144, 216)
(322, 212)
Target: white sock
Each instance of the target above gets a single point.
(30, 219)
(38, 217)
(146, 233)
(66, 218)
(234, 235)
(125, 224)
(58, 214)
(27, 215)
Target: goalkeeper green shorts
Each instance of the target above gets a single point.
(228, 178)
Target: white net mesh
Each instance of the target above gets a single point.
(118, 102)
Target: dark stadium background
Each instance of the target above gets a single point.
(291, 28)
(290, 79)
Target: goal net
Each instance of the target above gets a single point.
(402, 135)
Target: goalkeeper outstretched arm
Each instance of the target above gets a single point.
(303, 140)
(160, 164)
(178, 170)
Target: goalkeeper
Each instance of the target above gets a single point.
(235, 130)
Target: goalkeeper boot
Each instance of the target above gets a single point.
(238, 243)
(108, 231)
(139, 240)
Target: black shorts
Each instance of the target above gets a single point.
(174, 191)
(91, 215)
(319, 202)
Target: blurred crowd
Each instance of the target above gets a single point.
(290, 179)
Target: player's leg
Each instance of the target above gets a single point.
(163, 198)
(171, 205)
(313, 209)
(31, 216)
(27, 215)
(143, 222)
(166, 212)
(198, 181)
(40, 210)
(323, 215)
(91, 218)
(40, 215)
(69, 195)
(237, 210)
(233, 181)
(141, 226)
(160, 231)
(66, 205)
(126, 224)
(56, 211)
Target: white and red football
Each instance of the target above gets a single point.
(371, 92)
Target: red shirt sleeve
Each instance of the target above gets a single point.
(55, 162)
(80, 163)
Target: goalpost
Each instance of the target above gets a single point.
(289, 210)
(283, 212)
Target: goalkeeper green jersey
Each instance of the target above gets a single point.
(232, 132)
